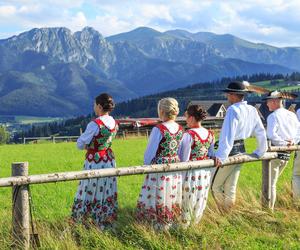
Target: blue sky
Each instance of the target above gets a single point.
(274, 22)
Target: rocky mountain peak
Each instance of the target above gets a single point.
(88, 34)
(54, 67)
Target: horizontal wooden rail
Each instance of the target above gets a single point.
(145, 169)
(66, 137)
(284, 148)
(37, 138)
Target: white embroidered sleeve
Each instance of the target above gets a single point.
(184, 150)
(272, 128)
(297, 137)
(152, 146)
(211, 150)
(91, 130)
(227, 135)
(260, 134)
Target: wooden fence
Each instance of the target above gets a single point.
(20, 182)
(121, 134)
(54, 139)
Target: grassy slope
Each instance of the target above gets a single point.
(247, 227)
(282, 85)
(35, 119)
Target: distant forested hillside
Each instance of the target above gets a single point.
(147, 106)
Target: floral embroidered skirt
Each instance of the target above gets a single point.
(160, 198)
(96, 199)
(196, 184)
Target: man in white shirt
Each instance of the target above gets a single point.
(241, 121)
(296, 173)
(283, 130)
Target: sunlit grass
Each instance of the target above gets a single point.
(247, 227)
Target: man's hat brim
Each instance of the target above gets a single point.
(237, 91)
(271, 97)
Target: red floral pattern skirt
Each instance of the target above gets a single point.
(195, 185)
(160, 198)
(96, 199)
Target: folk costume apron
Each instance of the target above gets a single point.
(196, 182)
(160, 198)
(96, 199)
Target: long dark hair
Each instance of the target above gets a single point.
(106, 102)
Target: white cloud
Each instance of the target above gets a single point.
(257, 20)
(7, 10)
(29, 9)
(151, 11)
(78, 21)
(109, 25)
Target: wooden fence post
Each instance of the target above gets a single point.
(266, 184)
(124, 134)
(24, 140)
(138, 132)
(20, 209)
(53, 139)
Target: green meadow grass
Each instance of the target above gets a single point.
(281, 85)
(246, 227)
(35, 119)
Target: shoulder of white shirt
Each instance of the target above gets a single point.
(283, 111)
(202, 132)
(171, 126)
(108, 121)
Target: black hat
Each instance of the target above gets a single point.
(236, 87)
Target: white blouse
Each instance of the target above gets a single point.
(155, 138)
(241, 121)
(283, 126)
(184, 150)
(92, 130)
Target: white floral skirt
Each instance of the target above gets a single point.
(160, 198)
(96, 199)
(196, 184)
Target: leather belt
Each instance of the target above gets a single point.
(238, 147)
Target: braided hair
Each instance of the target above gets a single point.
(106, 102)
(196, 111)
(169, 107)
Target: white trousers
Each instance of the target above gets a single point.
(296, 177)
(224, 185)
(277, 167)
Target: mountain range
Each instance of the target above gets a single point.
(54, 72)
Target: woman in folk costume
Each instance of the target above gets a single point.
(160, 198)
(96, 199)
(283, 129)
(197, 144)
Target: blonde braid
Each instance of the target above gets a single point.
(169, 107)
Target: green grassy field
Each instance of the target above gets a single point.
(246, 227)
(281, 85)
(35, 119)
(29, 119)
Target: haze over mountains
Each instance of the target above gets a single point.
(54, 72)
